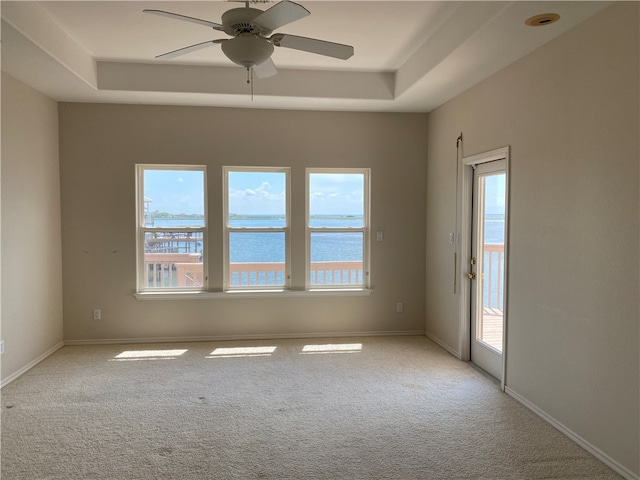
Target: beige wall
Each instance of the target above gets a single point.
(99, 146)
(569, 111)
(31, 251)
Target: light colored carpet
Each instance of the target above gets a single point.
(398, 408)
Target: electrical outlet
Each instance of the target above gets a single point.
(399, 307)
(97, 315)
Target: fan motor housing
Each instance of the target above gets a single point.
(240, 20)
(247, 50)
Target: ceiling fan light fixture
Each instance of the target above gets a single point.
(247, 50)
(250, 45)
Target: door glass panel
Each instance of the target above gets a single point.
(491, 260)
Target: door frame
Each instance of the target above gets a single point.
(466, 215)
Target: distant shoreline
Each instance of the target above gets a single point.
(233, 216)
(281, 217)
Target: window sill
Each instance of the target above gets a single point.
(199, 295)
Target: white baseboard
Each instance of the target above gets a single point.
(453, 352)
(218, 338)
(31, 364)
(595, 451)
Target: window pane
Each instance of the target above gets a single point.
(180, 242)
(173, 270)
(337, 258)
(173, 259)
(336, 200)
(257, 199)
(174, 198)
(256, 258)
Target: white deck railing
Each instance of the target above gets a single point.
(169, 270)
(183, 270)
(493, 283)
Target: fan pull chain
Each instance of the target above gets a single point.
(250, 80)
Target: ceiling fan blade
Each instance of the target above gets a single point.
(312, 45)
(177, 16)
(280, 14)
(265, 69)
(189, 49)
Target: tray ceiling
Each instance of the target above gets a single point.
(409, 56)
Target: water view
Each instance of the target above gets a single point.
(269, 247)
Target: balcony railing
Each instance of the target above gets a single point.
(493, 282)
(184, 270)
(171, 270)
(490, 326)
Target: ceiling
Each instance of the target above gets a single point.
(410, 56)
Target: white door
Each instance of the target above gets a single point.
(487, 266)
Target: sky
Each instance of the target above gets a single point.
(263, 193)
(336, 193)
(256, 193)
(495, 194)
(175, 191)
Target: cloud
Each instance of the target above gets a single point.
(259, 201)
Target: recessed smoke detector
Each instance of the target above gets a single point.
(542, 19)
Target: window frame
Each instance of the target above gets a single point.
(227, 230)
(142, 229)
(365, 229)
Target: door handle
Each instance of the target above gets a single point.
(471, 276)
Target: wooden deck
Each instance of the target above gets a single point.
(491, 329)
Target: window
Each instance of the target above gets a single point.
(172, 231)
(256, 228)
(337, 228)
(171, 227)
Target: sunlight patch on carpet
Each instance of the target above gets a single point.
(233, 352)
(331, 348)
(132, 355)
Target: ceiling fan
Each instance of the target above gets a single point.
(250, 44)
